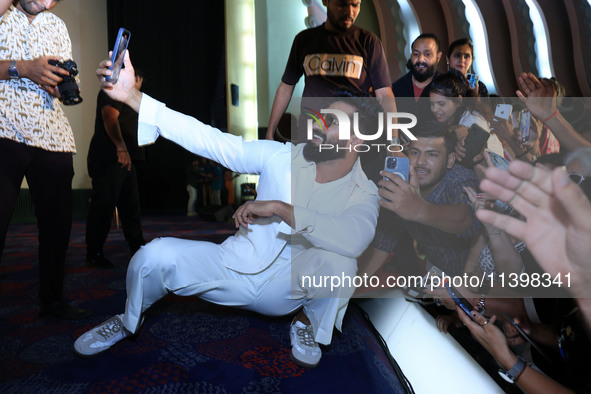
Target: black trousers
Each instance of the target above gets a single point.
(114, 187)
(49, 175)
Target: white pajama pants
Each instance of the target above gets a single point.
(188, 268)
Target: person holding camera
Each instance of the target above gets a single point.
(36, 140)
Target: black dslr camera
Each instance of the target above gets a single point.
(68, 87)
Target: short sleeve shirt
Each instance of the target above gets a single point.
(444, 250)
(352, 60)
(28, 114)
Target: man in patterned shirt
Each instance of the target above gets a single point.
(36, 140)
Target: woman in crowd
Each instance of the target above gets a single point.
(460, 56)
(451, 104)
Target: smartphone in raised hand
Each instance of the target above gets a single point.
(503, 111)
(475, 142)
(118, 55)
(397, 165)
(524, 124)
(472, 80)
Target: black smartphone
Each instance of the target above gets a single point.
(118, 55)
(475, 142)
(522, 332)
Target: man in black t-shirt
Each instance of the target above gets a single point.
(112, 159)
(334, 56)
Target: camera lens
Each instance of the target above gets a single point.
(391, 163)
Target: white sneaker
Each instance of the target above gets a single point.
(101, 338)
(304, 350)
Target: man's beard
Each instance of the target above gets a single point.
(313, 153)
(29, 9)
(421, 76)
(337, 24)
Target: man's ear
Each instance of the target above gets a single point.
(354, 141)
(439, 57)
(451, 160)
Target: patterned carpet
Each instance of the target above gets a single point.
(185, 345)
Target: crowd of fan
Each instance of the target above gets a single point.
(515, 210)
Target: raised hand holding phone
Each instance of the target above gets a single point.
(124, 91)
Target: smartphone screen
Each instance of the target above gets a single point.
(118, 54)
(524, 121)
(516, 118)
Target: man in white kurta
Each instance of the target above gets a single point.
(308, 219)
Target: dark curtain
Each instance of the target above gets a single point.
(180, 47)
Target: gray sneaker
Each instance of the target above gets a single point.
(304, 350)
(101, 338)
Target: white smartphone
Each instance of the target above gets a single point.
(503, 111)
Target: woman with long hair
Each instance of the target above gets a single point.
(451, 104)
(460, 57)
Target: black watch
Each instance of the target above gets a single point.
(515, 371)
(12, 71)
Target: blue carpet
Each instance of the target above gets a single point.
(185, 345)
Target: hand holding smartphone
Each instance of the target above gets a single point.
(118, 55)
(459, 300)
